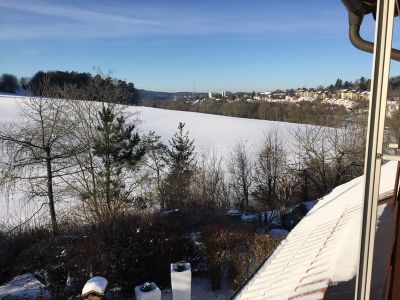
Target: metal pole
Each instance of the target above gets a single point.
(373, 157)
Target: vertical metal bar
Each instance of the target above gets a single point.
(373, 161)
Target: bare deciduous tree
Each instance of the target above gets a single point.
(329, 155)
(37, 149)
(285, 187)
(269, 165)
(240, 168)
(209, 185)
(393, 122)
(275, 181)
(155, 161)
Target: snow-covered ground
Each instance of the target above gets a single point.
(348, 104)
(219, 132)
(25, 286)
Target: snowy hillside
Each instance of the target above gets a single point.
(219, 132)
(211, 130)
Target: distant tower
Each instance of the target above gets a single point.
(225, 94)
(211, 95)
(194, 90)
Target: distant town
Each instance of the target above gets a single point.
(348, 98)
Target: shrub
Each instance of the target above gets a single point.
(234, 252)
(246, 255)
(127, 251)
(215, 251)
(130, 250)
(13, 244)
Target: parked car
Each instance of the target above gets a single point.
(248, 217)
(310, 204)
(172, 213)
(233, 213)
(271, 217)
(293, 217)
(278, 233)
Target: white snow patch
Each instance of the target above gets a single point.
(96, 285)
(25, 285)
(348, 104)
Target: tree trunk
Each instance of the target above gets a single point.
(107, 163)
(305, 195)
(50, 192)
(160, 195)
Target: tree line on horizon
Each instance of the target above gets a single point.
(10, 83)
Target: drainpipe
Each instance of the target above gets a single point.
(357, 10)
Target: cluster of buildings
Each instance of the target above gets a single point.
(317, 94)
(344, 97)
(345, 94)
(348, 98)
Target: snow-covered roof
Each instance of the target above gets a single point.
(322, 249)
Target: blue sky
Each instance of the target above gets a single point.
(172, 45)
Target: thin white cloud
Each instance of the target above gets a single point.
(47, 20)
(77, 14)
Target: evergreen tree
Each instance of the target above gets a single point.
(181, 161)
(119, 147)
(122, 91)
(363, 84)
(8, 83)
(338, 84)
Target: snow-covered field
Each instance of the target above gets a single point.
(219, 132)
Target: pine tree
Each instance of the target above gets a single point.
(119, 147)
(338, 84)
(181, 161)
(363, 84)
